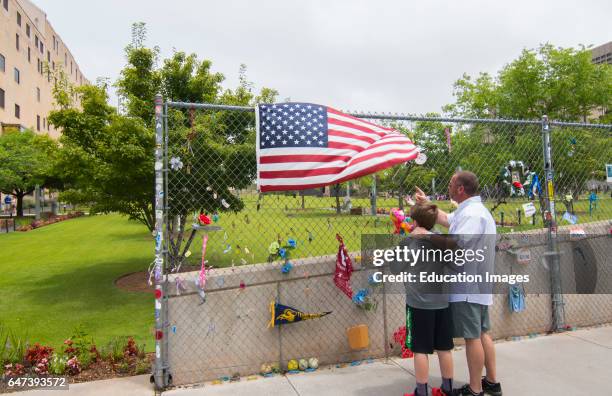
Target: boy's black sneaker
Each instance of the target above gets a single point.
(466, 391)
(491, 388)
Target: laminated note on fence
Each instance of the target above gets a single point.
(529, 209)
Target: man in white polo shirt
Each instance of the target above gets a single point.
(474, 228)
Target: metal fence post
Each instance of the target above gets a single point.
(160, 372)
(550, 218)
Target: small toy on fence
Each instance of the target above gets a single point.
(266, 369)
(283, 314)
(292, 365)
(403, 224)
(303, 364)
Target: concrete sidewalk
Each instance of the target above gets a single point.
(573, 363)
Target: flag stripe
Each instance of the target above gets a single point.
(355, 126)
(326, 179)
(274, 159)
(360, 173)
(328, 170)
(358, 121)
(350, 135)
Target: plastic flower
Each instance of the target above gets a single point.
(176, 163)
(286, 268)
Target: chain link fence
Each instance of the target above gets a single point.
(208, 204)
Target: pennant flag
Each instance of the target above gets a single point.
(303, 145)
(344, 269)
(283, 314)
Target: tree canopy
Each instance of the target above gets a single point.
(26, 161)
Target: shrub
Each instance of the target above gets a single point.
(130, 350)
(37, 352)
(142, 367)
(69, 350)
(15, 348)
(42, 367)
(14, 370)
(123, 367)
(57, 365)
(73, 366)
(114, 350)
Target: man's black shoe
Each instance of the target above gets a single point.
(491, 388)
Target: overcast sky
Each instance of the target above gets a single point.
(377, 55)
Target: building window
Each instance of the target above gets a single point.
(2, 63)
(18, 19)
(38, 123)
(65, 59)
(53, 63)
(17, 79)
(48, 56)
(17, 111)
(54, 45)
(29, 57)
(42, 47)
(70, 67)
(36, 41)
(38, 94)
(28, 30)
(44, 123)
(17, 42)
(5, 4)
(1, 98)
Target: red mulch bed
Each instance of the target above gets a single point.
(139, 281)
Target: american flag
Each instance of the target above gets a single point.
(304, 145)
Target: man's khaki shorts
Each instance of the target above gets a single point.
(470, 320)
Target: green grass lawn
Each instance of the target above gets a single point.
(62, 275)
(282, 216)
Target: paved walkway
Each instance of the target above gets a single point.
(573, 363)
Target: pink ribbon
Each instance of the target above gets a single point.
(202, 276)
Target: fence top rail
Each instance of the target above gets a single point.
(402, 117)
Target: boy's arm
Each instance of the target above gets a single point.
(421, 198)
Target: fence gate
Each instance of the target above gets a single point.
(209, 210)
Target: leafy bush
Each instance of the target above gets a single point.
(142, 367)
(42, 367)
(114, 350)
(130, 350)
(14, 370)
(38, 352)
(73, 366)
(57, 364)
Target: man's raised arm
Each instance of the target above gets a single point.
(421, 198)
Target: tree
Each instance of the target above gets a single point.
(562, 83)
(105, 158)
(216, 148)
(25, 162)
